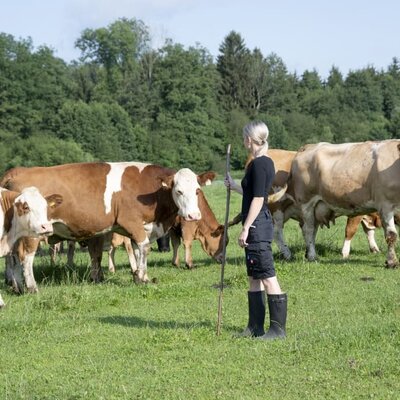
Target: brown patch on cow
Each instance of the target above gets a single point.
(22, 208)
(206, 178)
(7, 203)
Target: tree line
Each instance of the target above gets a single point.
(124, 100)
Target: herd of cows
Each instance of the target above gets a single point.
(134, 204)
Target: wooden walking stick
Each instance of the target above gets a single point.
(228, 198)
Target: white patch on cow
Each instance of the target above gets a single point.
(346, 248)
(114, 178)
(2, 304)
(373, 247)
(154, 231)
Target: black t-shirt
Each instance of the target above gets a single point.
(257, 182)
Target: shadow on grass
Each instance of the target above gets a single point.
(137, 322)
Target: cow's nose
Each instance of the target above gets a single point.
(194, 216)
(47, 229)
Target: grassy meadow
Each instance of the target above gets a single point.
(117, 340)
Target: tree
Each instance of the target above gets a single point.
(103, 130)
(117, 48)
(188, 128)
(233, 65)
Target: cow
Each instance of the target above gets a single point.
(207, 230)
(369, 223)
(329, 180)
(134, 199)
(24, 214)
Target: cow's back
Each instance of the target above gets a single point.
(94, 193)
(349, 176)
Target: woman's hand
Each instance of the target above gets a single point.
(229, 182)
(243, 237)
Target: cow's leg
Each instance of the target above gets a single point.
(13, 275)
(70, 253)
(278, 218)
(95, 248)
(175, 242)
(349, 232)
(309, 229)
(187, 244)
(370, 232)
(26, 253)
(131, 255)
(141, 251)
(2, 304)
(54, 249)
(391, 238)
(140, 242)
(111, 260)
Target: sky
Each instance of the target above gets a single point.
(306, 34)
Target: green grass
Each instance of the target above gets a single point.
(117, 340)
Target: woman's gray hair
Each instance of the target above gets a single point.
(258, 132)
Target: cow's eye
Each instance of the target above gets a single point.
(179, 192)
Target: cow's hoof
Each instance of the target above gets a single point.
(17, 289)
(141, 280)
(2, 305)
(33, 290)
(191, 266)
(391, 264)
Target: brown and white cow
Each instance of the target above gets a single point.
(134, 199)
(207, 230)
(23, 214)
(330, 180)
(369, 223)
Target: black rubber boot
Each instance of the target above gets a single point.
(277, 305)
(255, 326)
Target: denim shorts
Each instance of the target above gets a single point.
(259, 259)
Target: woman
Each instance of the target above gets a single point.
(256, 237)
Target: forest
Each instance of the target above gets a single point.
(124, 100)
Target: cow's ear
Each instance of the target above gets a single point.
(167, 182)
(22, 208)
(54, 200)
(206, 178)
(218, 232)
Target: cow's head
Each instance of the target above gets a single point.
(214, 245)
(185, 186)
(30, 212)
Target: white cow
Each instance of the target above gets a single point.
(23, 214)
